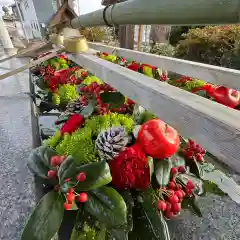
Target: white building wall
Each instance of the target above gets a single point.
(30, 19)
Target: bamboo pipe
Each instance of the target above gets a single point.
(168, 12)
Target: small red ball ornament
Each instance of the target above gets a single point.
(158, 139)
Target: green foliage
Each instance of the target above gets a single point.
(216, 45)
(54, 140)
(91, 79)
(98, 174)
(67, 93)
(162, 169)
(99, 123)
(39, 162)
(115, 99)
(177, 33)
(45, 219)
(149, 223)
(80, 145)
(108, 206)
(189, 85)
(94, 34)
(163, 49)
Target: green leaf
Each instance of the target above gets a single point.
(177, 160)
(217, 182)
(41, 83)
(191, 205)
(118, 234)
(88, 110)
(148, 221)
(37, 165)
(196, 181)
(162, 170)
(212, 187)
(121, 232)
(115, 99)
(46, 154)
(98, 174)
(151, 166)
(195, 167)
(46, 219)
(108, 206)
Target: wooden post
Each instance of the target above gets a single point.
(126, 36)
(140, 35)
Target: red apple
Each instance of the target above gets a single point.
(158, 139)
(226, 96)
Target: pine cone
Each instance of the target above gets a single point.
(111, 141)
(74, 107)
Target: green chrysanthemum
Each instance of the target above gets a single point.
(189, 85)
(103, 122)
(80, 145)
(91, 79)
(53, 141)
(56, 99)
(67, 93)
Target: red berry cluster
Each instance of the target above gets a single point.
(163, 77)
(95, 89)
(194, 151)
(173, 194)
(49, 70)
(72, 196)
(55, 161)
(184, 79)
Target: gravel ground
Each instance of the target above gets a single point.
(221, 219)
(16, 186)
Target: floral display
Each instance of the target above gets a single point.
(226, 96)
(123, 171)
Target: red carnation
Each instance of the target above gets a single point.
(134, 66)
(130, 169)
(72, 124)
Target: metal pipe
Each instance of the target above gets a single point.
(21, 19)
(167, 12)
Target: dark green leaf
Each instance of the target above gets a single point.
(37, 164)
(155, 224)
(121, 232)
(162, 169)
(46, 106)
(98, 174)
(46, 219)
(41, 83)
(191, 205)
(196, 181)
(177, 160)
(88, 110)
(118, 234)
(46, 154)
(195, 167)
(115, 99)
(108, 206)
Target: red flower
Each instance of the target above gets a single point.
(130, 169)
(134, 66)
(72, 124)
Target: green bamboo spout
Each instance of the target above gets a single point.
(167, 12)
